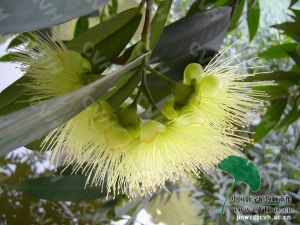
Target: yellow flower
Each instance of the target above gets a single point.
(221, 96)
(115, 149)
(51, 68)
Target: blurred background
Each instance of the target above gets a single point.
(198, 201)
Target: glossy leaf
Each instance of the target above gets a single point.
(183, 42)
(295, 55)
(238, 10)
(293, 77)
(20, 15)
(82, 25)
(297, 145)
(60, 188)
(270, 119)
(159, 21)
(253, 16)
(12, 94)
(291, 29)
(104, 42)
(6, 58)
(29, 124)
(291, 116)
(278, 51)
(123, 88)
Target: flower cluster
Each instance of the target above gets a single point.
(117, 149)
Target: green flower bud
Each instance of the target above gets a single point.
(191, 72)
(128, 116)
(150, 129)
(210, 85)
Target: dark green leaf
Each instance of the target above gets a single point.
(82, 25)
(221, 3)
(36, 145)
(159, 21)
(295, 55)
(292, 3)
(60, 188)
(293, 77)
(281, 90)
(11, 94)
(123, 88)
(183, 42)
(104, 42)
(291, 29)
(6, 58)
(29, 124)
(270, 119)
(20, 15)
(291, 116)
(297, 145)
(242, 170)
(238, 10)
(253, 15)
(278, 51)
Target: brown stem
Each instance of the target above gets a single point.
(147, 25)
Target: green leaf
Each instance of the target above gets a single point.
(292, 3)
(278, 51)
(36, 145)
(281, 90)
(18, 41)
(291, 116)
(253, 15)
(295, 55)
(221, 3)
(183, 42)
(123, 88)
(270, 119)
(297, 145)
(159, 21)
(238, 10)
(291, 29)
(82, 25)
(27, 125)
(242, 170)
(20, 15)
(104, 42)
(60, 188)
(11, 94)
(292, 77)
(6, 58)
